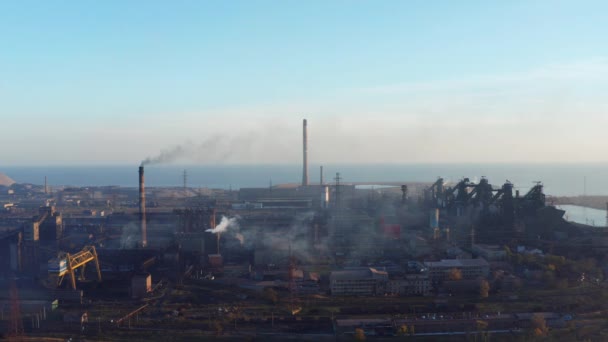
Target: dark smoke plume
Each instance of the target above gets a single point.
(214, 149)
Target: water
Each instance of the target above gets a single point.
(584, 215)
(559, 179)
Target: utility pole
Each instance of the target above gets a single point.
(337, 185)
(403, 194)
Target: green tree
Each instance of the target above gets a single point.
(508, 251)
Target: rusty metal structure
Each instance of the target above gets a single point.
(481, 194)
(480, 203)
(130, 315)
(195, 220)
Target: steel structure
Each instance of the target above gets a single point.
(15, 332)
(494, 206)
(78, 260)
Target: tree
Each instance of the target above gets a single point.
(484, 288)
(548, 279)
(359, 334)
(271, 295)
(508, 251)
(235, 314)
(539, 325)
(556, 261)
(218, 327)
(454, 274)
(562, 284)
(482, 326)
(402, 330)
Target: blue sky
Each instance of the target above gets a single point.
(117, 81)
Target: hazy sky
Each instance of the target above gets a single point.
(379, 81)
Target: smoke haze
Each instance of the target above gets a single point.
(225, 223)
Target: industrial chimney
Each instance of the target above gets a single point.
(305, 154)
(142, 207)
(321, 174)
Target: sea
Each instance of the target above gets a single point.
(558, 179)
(589, 216)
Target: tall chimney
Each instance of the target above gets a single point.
(321, 173)
(142, 207)
(305, 154)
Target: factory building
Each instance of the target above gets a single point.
(469, 269)
(10, 250)
(490, 252)
(281, 197)
(46, 226)
(410, 285)
(358, 282)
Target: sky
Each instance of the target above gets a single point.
(229, 82)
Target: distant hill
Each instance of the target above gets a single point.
(6, 180)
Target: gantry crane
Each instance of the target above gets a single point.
(75, 261)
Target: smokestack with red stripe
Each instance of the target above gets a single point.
(305, 154)
(142, 207)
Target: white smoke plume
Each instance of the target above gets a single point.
(240, 237)
(225, 223)
(130, 236)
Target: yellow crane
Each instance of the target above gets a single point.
(71, 262)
